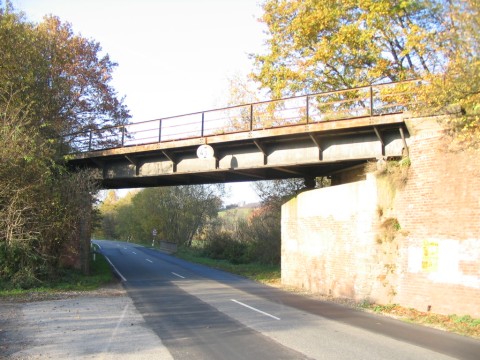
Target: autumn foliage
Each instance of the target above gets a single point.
(317, 46)
(52, 82)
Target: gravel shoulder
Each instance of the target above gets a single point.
(101, 324)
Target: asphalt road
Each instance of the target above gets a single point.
(202, 313)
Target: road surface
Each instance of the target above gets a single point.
(202, 313)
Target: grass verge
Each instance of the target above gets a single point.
(67, 280)
(258, 272)
(463, 325)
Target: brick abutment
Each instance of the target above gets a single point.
(412, 241)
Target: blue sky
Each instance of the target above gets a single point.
(174, 56)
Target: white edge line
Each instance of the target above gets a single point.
(114, 268)
(180, 276)
(114, 333)
(252, 308)
(149, 260)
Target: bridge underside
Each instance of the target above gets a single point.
(300, 151)
(226, 175)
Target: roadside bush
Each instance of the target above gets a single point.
(19, 267)
(222, 245)
(263, 235)
(256, 240)
(215, 243)
(25, 279)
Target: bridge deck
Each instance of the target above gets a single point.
(297, 151)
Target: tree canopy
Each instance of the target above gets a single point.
(61, 77)
(317, 46)
(457, 88)
(52, 82)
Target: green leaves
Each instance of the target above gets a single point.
(318, 46)
(178, 213)
(456, 89)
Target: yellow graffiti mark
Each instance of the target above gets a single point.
(430, 256)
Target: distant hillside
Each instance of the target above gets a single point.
(236, 213)
(231, 216)
(243, 206)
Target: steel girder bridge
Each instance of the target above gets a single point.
(298, 137)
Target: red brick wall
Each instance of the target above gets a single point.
(333, 241)
(439, 210)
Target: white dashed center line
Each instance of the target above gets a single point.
(254, 309)
(149, 260)
(180, 276)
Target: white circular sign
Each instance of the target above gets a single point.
(205, 152)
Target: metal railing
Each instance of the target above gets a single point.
(372, 100)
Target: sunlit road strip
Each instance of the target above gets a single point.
(114, 268)
(254, 309)
(150, 261)
(180, 276)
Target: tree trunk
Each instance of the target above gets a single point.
(85, 234)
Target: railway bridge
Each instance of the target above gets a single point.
(307, 136)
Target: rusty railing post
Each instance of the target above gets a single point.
(307, 108)
(160, 130)
(371, 100)
(251, 117)
(90, 141)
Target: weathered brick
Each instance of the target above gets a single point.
(330, 236)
